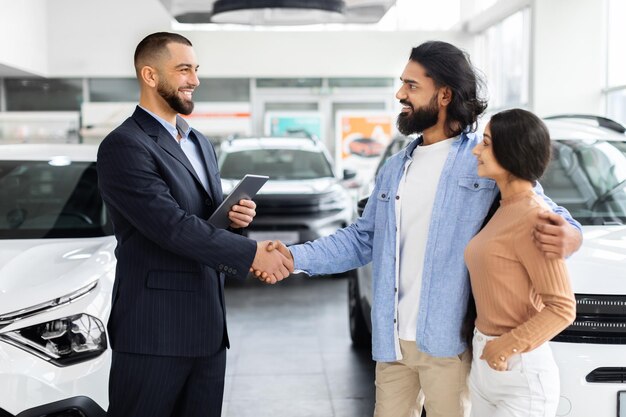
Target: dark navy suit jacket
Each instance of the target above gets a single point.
(168, 297)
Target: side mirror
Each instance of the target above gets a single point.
(348, 174)
(361, 205)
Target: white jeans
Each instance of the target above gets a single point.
(528, 388)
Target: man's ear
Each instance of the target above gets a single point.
(445, 96)
(149, 76)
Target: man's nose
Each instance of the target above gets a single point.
(195, 81)
(400, 94)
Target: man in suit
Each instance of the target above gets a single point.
(160, 182)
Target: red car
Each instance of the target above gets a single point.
(366, 147)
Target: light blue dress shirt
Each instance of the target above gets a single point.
(461, 203)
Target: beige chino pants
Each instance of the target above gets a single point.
(443, 382)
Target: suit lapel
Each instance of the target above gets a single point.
(162, 137)
(210, 163)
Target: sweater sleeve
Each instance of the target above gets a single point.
(550, 279)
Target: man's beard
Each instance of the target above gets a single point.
(170, 95)
(418, 120)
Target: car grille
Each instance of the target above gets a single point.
(278, 227)
(284, 207)
(290, 205)
(599, 319)
(607, 375)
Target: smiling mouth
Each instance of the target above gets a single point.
(187, 93)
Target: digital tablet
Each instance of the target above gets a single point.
(245, 189)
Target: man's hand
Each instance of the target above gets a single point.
(271, 265)
(555, 237)
(271, 246)
(241, 215)
(277, 244)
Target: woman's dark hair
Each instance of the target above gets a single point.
(450, 67)
(521, 143)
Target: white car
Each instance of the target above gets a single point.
(57, 267)
(587, 175)
(303, 199)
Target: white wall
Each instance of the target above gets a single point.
(23, 30)
(296, 54)
(89, 38)
(85, 38)
(94, 39)
(568, 61)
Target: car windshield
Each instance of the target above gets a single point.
(278, 164)
(589, 179)
(42, 200)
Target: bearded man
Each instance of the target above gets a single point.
(160, 181)
(428, 202)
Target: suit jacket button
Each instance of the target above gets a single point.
(220, 267)
(234, 271)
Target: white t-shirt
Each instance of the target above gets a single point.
(417, 196)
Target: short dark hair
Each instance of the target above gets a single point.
(521, 143)
(451, 67)
(154, 45)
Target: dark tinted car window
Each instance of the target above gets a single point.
(396, 145)
(589, 179)
(278, 164)
(40, 200)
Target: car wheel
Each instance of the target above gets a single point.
(360, 334)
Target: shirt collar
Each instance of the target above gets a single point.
(408, 151)
(181, 127)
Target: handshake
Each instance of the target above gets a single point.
(273, 261)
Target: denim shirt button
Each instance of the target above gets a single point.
(383, 195)
(475, 185)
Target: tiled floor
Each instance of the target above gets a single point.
(291, 353)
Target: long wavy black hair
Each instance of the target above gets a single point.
(451, 67)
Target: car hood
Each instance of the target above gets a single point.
(599, 266)
(39, 270)
(284, 187)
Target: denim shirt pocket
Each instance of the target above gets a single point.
(382, 209)
(474, 197)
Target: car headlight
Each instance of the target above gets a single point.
(64, 341)
(333, 201)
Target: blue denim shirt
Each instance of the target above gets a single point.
(461, 203)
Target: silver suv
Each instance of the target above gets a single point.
(587, 175)
(303, 199)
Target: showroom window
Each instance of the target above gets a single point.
(288, 82)
(113, 89)
(291, 106)
(360, 82)
(503, 54)
(43, 94)
(616, 61)
(209, 90)
(223, 90)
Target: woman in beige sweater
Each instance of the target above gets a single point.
(523, 299)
